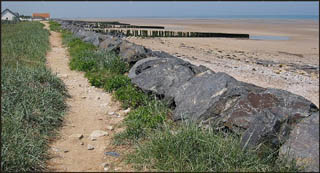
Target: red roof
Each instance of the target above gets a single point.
(44, 15)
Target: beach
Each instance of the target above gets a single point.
(291, 64)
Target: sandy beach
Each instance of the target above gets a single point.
(291, 65)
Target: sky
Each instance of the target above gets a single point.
(86, 9)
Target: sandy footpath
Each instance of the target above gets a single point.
(89, 109)
(292, 65)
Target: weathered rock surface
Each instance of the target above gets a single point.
(260, 114)
(111, 44)
(93, 39)
(161, 76)
(303, 144)
(131, 52)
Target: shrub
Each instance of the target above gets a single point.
(130, 96)
(115, 82)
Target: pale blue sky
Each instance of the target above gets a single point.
(161, 9)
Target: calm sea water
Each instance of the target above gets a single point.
(312, 17)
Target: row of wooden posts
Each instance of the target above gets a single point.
(164, 33)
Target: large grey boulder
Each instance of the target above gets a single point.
(81, 34)
(259, 114)
(162, 76)
(159, 54)
(303, 144)
(111, 44)
(93, 39)
(131, 52)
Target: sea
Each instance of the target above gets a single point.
(310, 17)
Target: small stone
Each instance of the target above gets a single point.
(110, 113)
(82, 143)
(90, 147)
(127, 110)
(79, 136)
(111, 153)
(109, 127)
(98, 133)
(83, 97)
(254, 69)
(277, 71)
(55, 149)
(65, 151)
(105, 165)
(98, 98)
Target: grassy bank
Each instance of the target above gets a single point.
(32, 98)
(161, 144)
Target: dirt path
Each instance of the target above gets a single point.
(89, 109)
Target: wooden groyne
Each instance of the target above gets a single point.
(164, 33)
(115, 27)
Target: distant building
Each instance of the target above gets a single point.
(40, 16)
(9, 15)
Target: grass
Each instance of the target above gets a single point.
(189, 148)
(32, 98)
(54, 26)
(162, 145)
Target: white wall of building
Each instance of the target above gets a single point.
(7, 16)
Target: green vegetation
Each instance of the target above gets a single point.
(54, 26)
(32, 99)
(189, 148)
(162, 145)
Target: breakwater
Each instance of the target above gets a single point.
(164, 33)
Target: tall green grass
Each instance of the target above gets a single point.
(162, 145)
(192, 149)
(32, 98)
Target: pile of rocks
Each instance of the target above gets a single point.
(217, 100)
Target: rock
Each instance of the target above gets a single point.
(98, 133)
(78, 136)
(109, 127)
(81, 34)
(55, 149)
(90, 147)
(131, 52)
(83, 97)
(111, 153)
(159, 54)
(105, 166)
(82, 143)
(127, 110)
(162, 76)
(65, 151)
(111, 44)
(195, 98)
(92, 38)
(259, 114)
(303, 144)
(111, 113)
